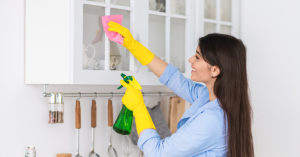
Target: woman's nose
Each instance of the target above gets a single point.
(191, 60)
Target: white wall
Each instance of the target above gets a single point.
(271, 32)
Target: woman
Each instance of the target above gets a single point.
(219, 121)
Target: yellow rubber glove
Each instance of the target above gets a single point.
(139, 51)
(133, 100)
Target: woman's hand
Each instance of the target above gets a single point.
(128, 38)
(133, 97)
(140, 52)
(133, 100)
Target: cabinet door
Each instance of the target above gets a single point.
(169, 31)
(93, 42)
(157, 35)
(47, 42)
(97, 60)
(178, 31)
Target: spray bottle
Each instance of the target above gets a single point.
(124, 121)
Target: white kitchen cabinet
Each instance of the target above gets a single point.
(65, 42)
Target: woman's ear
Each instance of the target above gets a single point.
(215, 71)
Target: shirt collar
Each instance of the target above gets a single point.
(198, 103)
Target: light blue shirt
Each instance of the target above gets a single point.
(201, 130)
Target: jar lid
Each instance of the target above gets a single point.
(30, 147)
(52, 98)
(59, 98)
(56, 98)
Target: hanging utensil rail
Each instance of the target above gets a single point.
(107, 94)
(79, 94)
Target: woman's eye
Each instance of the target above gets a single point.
(197, 57)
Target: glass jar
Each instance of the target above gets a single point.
(56, 108)
(51, 108)
(60, 107)
(30, 151)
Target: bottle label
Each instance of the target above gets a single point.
(60, 107)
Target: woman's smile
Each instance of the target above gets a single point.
(193, 70)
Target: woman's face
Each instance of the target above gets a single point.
(201, 70)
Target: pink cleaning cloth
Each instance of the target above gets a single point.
(113, 36)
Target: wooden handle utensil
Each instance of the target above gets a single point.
(78, 115)
(93, 114)
(64, 155)
(110, 113)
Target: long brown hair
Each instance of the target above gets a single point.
(231, 89)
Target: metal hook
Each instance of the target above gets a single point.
(95, 97)
(45, 90)
(79, 95)
(112, 95)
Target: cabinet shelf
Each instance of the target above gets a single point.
(166, 14)
(178, 16)
(151, 12)
(95, 3)
(107, 5)
(219, 22)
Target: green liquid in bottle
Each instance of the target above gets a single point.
(124, 121)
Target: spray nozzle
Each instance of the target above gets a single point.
(125, 78)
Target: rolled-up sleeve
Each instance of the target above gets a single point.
(182, 86)
(195, 138)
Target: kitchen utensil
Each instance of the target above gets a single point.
(141, 154)
(93, 125)
(77, 124)
(111, 150)
(176, 110)
(64, 155)
(127, 146)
